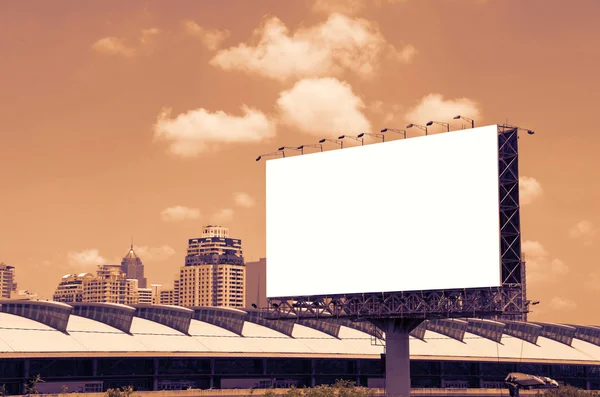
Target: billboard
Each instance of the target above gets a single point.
(412, 214)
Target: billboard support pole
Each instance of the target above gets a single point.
(397, 353)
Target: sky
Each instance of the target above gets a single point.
(143, 119)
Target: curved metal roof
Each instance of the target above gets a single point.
(22, 336)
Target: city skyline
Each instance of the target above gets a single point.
(92, 158)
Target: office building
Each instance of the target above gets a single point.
(7, 280)
(214, 272)
(133, 267)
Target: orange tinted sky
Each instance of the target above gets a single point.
(86, 162)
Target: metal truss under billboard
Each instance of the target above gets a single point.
(507, 301)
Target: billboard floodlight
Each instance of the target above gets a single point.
(430, 123)
(370, 134)
(356, 138)
(403, 132)
(270, 154)
(466, 119)
(421, 127)
(301, 147)
(336, 141)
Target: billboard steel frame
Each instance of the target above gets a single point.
(506, 301)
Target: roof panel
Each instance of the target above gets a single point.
(330, 327)
(175, 317)
(529, 332)
(452, 328)
(52, 314)
(588, 333)
(99, 337)
(492, 330)
(115, 315)
(558, 332)
(231, 320)
(256, 317)
(363, 326)
(419, 331)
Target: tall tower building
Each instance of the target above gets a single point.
(214, 273)
(7, 280)
(214, 247)
(133, 267)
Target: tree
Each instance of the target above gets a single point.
(31, 386)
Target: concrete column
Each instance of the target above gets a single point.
(313, 371)
(155, 375)
(397, 357)
(212, 373)
(26, 369)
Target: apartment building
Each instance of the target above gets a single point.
(109, 284)
(7, 280)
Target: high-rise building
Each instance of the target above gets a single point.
(133, 267)
(169, 297)
(70, 288)
(214, 247)
(256, 280)
(214, 272)
(7, 280)
(108, 285)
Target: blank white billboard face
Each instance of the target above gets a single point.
(412, 214)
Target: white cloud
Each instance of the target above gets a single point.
(179, 213)
(323, 106)
(85, 259)
(200, 130)
(529, 190)
(405, 55)
(388, 113)
(562, 304)
(541, 268)
(243, 200)
(326, 49)
(584, 230)
(157, 254)
(434, 107)
(222, 217)
(113, 46)
(211, 38)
